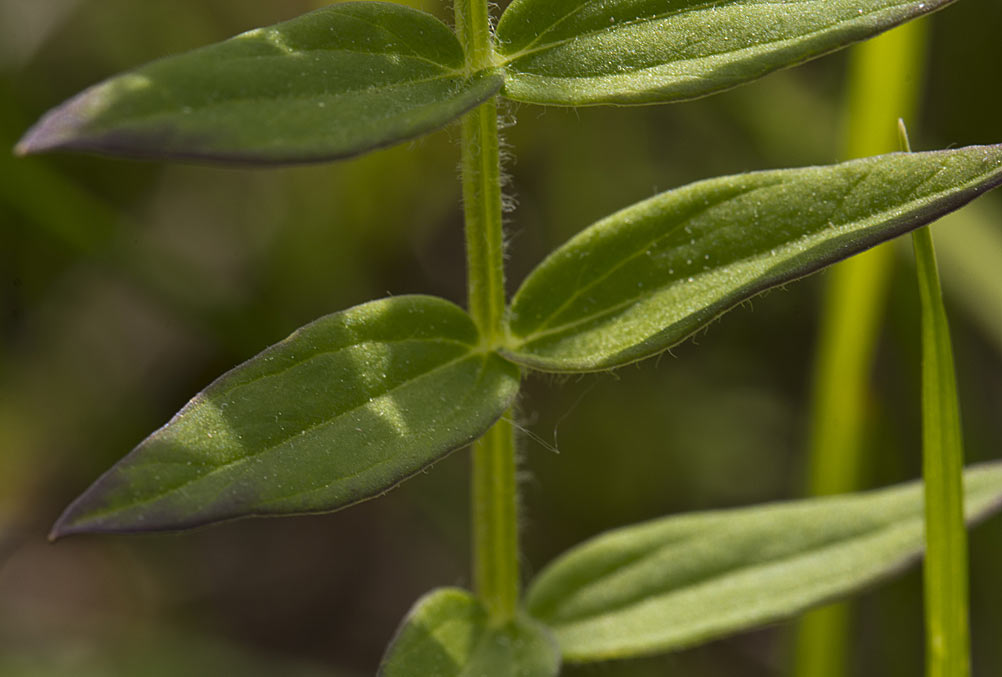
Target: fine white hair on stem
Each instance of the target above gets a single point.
(509, 201)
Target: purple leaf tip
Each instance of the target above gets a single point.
(56, 129)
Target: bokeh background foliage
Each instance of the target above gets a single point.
(125, 287)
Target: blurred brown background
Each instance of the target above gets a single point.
(125, 287)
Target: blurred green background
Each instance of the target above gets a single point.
(125, 287)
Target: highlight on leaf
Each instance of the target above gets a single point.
(688, 579)
(647, 277)
(343, 410)
(448, 634)
(580, 52)
(333, 83)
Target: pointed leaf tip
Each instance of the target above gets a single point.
(343, 410)
(572, 52)
(24, 146)
(56, 129)
(334, 83)
(649, 276)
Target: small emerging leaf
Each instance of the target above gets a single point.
(447, 634)
(333, 83)
(684, 580)
(341, 411)
(647, 277)
(578, 52)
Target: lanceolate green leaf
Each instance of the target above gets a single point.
(647, 277)
(343, 410)
(683, 580)
(576, 52)
(447, 634)
(336, 82)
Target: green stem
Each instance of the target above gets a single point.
(482, 209)
(884, 83)
(482, 180)
(494, 495)
(495, 522)
(947, 638)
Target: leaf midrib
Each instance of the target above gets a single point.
(528, 49)
(343, 50)
(347, 93)
(741, 567)
(618, 563)
(97, 514)
(509, 59)
(579, 291)
(336, 351)
(904, 208)
(481, 374)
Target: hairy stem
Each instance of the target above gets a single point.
(482, 180)
(494, 497)
(884, 84)
(495, 522)
(482, 209)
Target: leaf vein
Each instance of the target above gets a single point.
(639, 251)
(473, 390)
(722, 536)
(273, 447)
(665, 15)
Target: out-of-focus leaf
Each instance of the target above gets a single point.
(447, 634)
(26, 26)
(333, 83)
(969, 249)
(684, 580)
(578, 52)
(341, 411)
(647, 277)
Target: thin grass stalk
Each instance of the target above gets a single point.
(948, 643)
(885, 76)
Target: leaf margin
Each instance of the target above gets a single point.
(989, 473)
(516, 340)
(63, 128)
(533, 87)
(73, 519)
(476, 611)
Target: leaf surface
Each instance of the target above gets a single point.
(684, 580)
(647, 277)
(447, 634)
(579, 52)
(332, 83)
(341, 411)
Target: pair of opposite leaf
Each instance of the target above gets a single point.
(358, 401)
